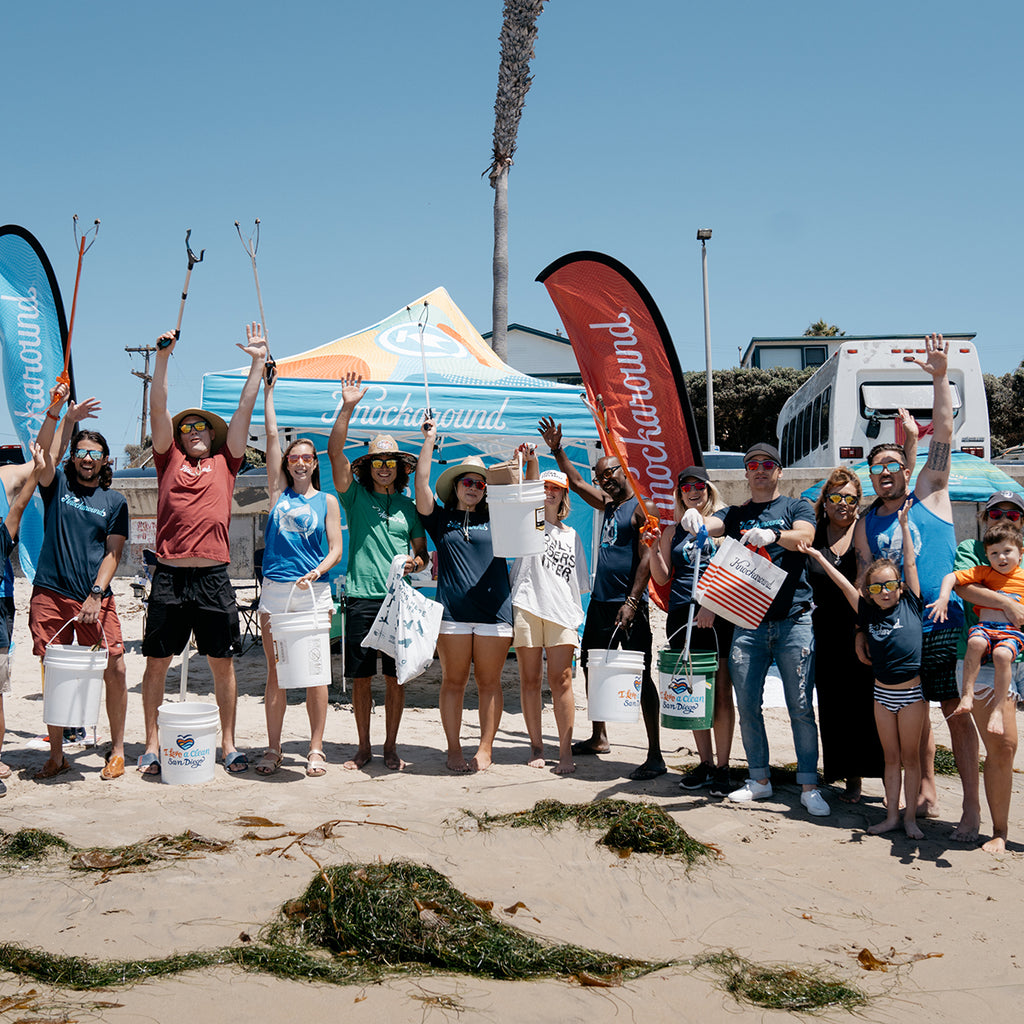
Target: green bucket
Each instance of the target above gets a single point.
(687, 688)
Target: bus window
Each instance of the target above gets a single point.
(826, 401)
(805, 423)
(816, 423)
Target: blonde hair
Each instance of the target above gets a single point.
(712, 500)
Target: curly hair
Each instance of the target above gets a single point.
(106, 474)
(364, 474)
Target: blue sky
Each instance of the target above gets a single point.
(859, 163)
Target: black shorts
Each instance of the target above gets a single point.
(361, 662)
(6, 628)
(197, 600)
(600, 624)
(938, 664)
(717, 638)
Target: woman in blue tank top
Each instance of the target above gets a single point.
(303, 522)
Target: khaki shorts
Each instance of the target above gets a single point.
(533, 631)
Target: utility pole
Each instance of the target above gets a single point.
(147, 351)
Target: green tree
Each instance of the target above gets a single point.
(820, 329)
(518, 34)
(1005, 396)
(747, 403)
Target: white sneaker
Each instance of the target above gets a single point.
(751, 790)
(815, 802)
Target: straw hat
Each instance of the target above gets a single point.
(217, 426)
(446, 481)
(385, 445)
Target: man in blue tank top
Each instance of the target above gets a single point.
(931, 525)
(618, 601)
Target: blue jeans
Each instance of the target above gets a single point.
(791, 643)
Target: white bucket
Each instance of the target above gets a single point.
(72, 683)
(188, 742)
(302, 645)
(614, 679)
(517, 518)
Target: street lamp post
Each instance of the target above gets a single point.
(703, 234)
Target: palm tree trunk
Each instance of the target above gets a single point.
(499, 299)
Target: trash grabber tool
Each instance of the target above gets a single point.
(251, 246)
(193, 259)
(64, 377)
(423, 321)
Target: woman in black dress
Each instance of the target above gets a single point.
(845, 686)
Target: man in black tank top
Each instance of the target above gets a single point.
(618, 604)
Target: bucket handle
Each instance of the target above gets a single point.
(74, 618)
(684, 655)
(312, 595)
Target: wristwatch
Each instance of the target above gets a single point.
(96, 591)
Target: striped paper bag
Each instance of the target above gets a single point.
(739, 584)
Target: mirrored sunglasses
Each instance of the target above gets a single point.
(886, 467)
(304, 458)
(697, 485)
(842, 499)
(382, 463)
(187, 428)
(888, 585)
(472, 483)
(1004, 513)
(88, 453)
(767, 464)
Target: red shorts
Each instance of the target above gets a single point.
(48, 611)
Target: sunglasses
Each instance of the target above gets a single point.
(384, 463)
(608, 473)
(304, 459)
(472, 483)
(842, 499)
(1001, 513)
(187, 428)
(766, 464)
(697, 485)
(88, 453)
(886, 467)
(889, 586)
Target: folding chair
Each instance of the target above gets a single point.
(248, 610)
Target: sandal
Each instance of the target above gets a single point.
(236, 762)
(269, 762)
(148, 764)
(5, 771)
(314, 769)
(113, 769)
(48, 771)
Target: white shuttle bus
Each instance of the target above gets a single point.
(851, 403)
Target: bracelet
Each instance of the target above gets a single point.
(49, 415)
(632, 602)
(555, 451)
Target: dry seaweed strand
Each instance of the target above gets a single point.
(630, 826)
(780, 986)
(139, 856)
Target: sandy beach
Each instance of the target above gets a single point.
(788, 889)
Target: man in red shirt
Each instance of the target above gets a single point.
(197, 457)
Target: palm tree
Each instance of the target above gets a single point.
(518, 34)
(823, 330)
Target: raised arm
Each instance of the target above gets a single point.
(352, 391)
(552, 434)
(276, 479)
(934, 476)
(850, 592)
(911, 433)
(909, 557)
(238, 429)
(24, 495)
(424, 492)
(159, 418)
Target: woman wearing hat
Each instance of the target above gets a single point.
(473, 587)
(382, 524)
(303, 522)
(672, 561)
(547, 603)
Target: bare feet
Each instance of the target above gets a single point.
(912, 829)
(459, 765)
(927, 808)
(967, 830)
(995, 722)
(536, 758)
(480, 763)
(581, 748)
(852, 793)
(564, 768)
(997, 844)
(393, 761)
(360, 760)
(889, 825)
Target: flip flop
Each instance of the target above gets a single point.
(148, 764)
(236, 762)
(113, 769)
(645, 773)
(52, 773)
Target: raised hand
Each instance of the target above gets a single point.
(256, 344)
(936, 360)
(352, 389)
(551, 432)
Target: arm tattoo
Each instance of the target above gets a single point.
(938, 456)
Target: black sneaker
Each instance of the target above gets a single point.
(721, 782)
(697, 777)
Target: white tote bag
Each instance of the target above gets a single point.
(406, 626)
(739, 584)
